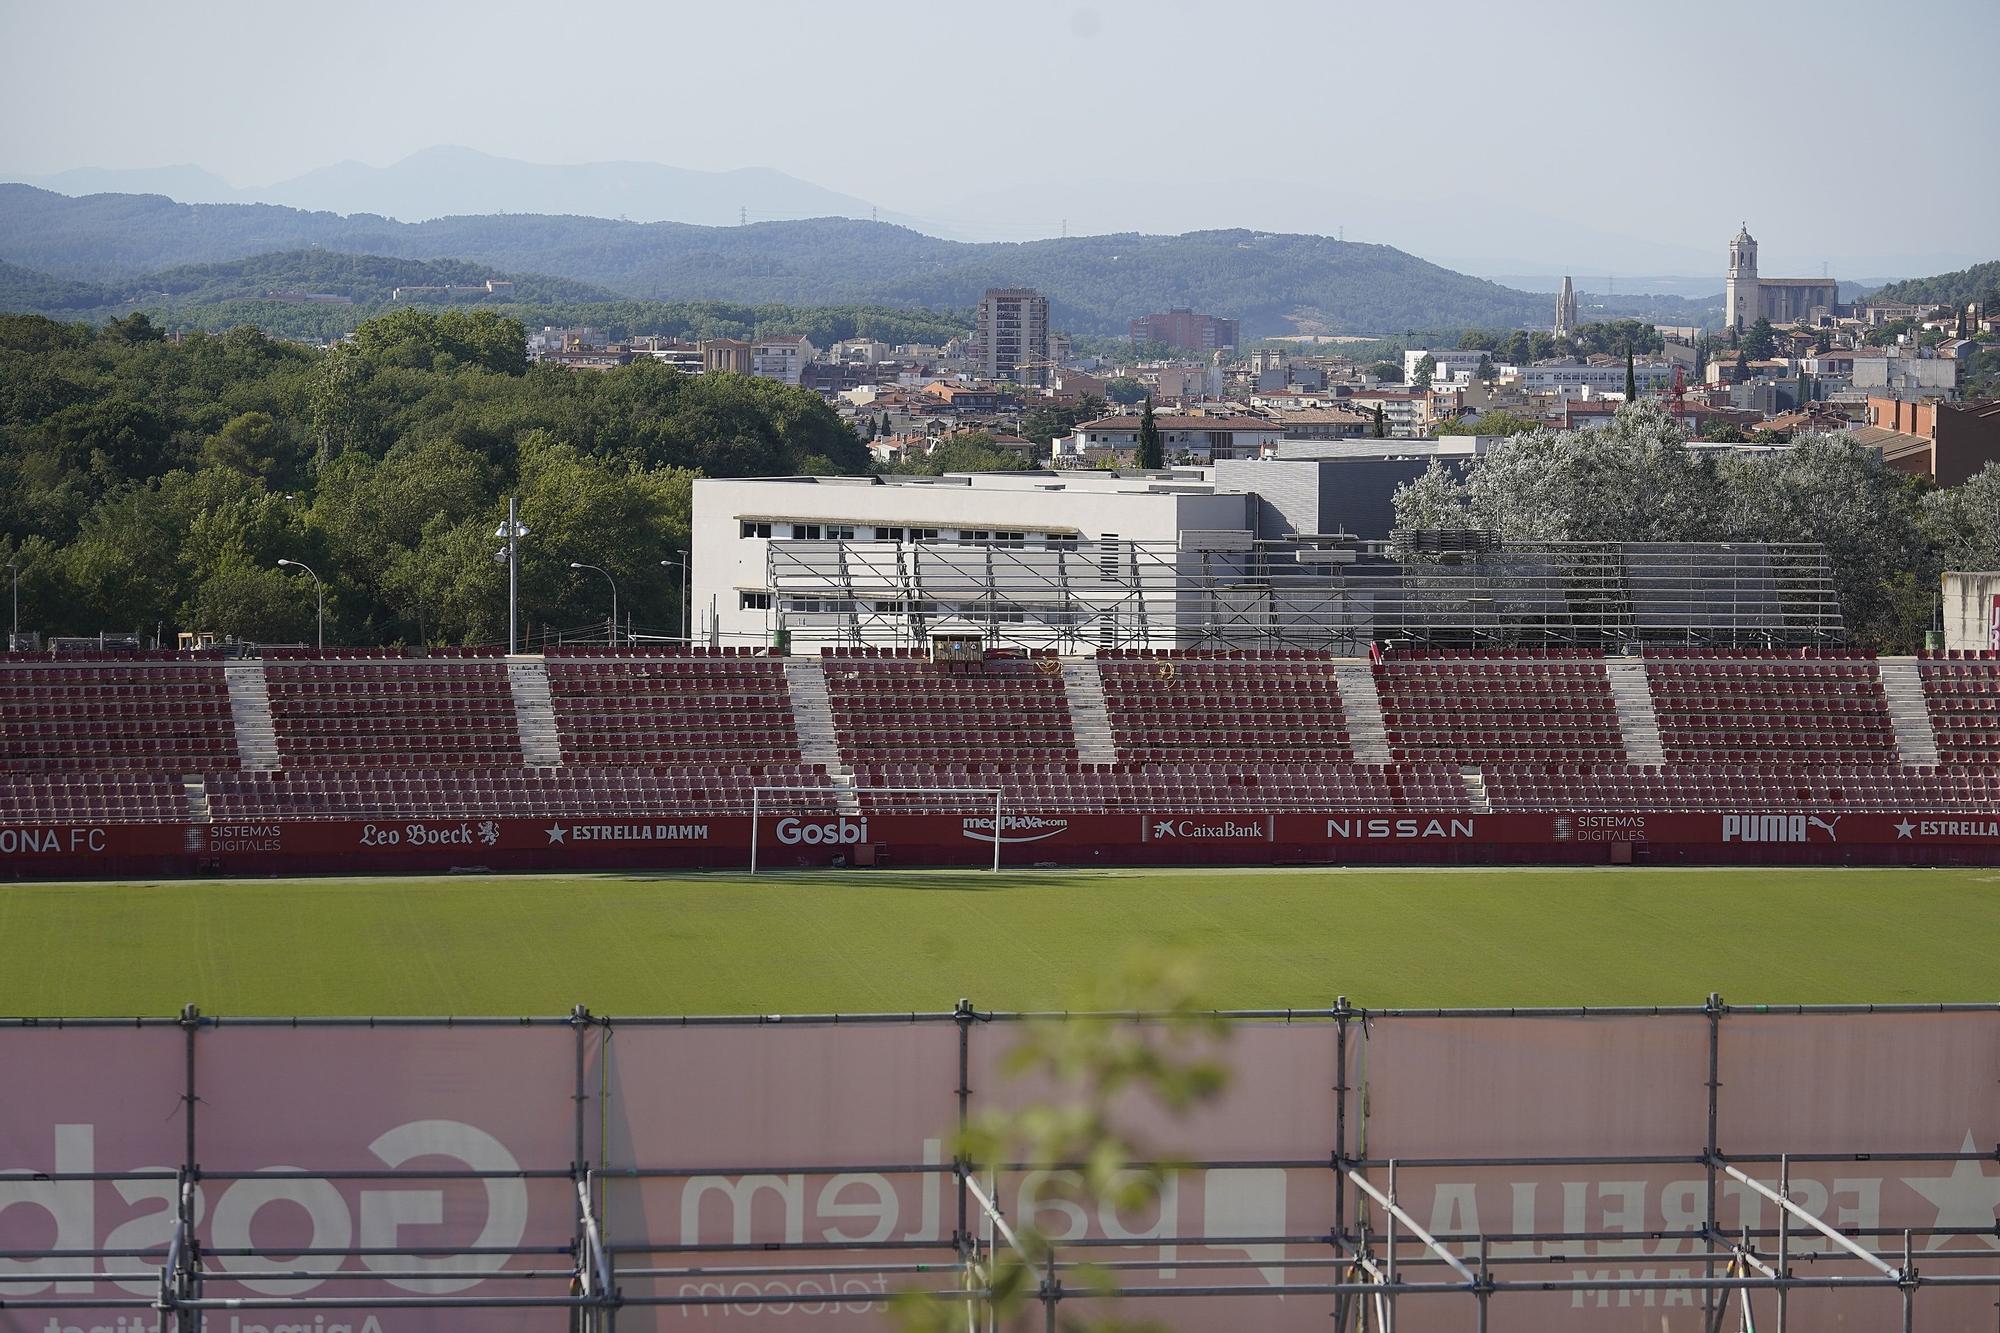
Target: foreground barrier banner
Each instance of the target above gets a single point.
(789, 1174)
(670, 841)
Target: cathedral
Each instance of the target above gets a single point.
(1748, 298)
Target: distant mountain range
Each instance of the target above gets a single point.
(451, 181)
(1275, 283)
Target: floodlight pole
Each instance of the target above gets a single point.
(686, 617)
(319, 595)
(510, 555)
(610, 639)
(14, 631)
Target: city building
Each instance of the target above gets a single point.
(1010, 340)
(726, 355)
(1748, 297)
(1197, 439)
(1947, 442)
(1026, 521)
(1906, 376)
(1609, 378)
(1184, 330)
(1324, 423)
(781, 357)
(1451, 363)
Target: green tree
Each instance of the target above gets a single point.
(1386, 372)
(1124, 390)
(1426, 371)
(1485, 372)
(1381, 428)
(1152, 452)
(1489, 423)
(1631, 379)
(1046, 423)
(1761, 343)
(249, 443)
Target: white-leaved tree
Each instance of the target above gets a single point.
(1636, 480)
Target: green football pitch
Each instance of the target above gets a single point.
(903, 940)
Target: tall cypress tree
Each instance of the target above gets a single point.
(1631, 380)
(1381, 425)
(1152, 454)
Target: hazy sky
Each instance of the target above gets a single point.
(1526, 137)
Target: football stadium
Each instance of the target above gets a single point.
(1575, 962)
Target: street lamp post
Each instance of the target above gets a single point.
(685, 564)
(612, 638)
(319, 595)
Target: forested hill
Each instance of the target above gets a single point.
(1275, 283)
(276, 293)
(1980, 283)
(357, 278)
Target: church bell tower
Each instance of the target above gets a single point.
(1741, 302)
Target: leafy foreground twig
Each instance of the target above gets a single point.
(1094, 1072)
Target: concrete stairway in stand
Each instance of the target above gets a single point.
(197, 798)
(534, 712)
(250, 714)
(812, 714)
(1475, 790)
(1362, 706)
(1909, 715)
(1638, 724)
(1089, 715)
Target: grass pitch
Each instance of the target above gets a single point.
(901, 940)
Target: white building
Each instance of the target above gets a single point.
(1183, 439)
(1452, 363)
(1017, 532)
(1604, 379)
(1894, 376)
(781, 357)
(862, 351)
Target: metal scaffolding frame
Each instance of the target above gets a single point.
(1367, 1271)
(1224, 590)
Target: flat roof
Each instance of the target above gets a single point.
(1190, 481)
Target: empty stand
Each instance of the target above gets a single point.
(1722, 706)
(908, 708)
(1187, 788)
(1480, 706)
(673, 708)
(396, 713)
(1962, 692)
(92, 798)
(632, 792)
(1281, 706)
(163, 717)
(1817, 789)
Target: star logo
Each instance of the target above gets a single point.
(1163, 828)
(555, 832)
(1904, 828)
(1968, 1197)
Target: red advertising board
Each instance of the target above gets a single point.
(1028, 837)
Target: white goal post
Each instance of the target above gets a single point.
(757, 807)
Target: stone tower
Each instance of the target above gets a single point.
(1566, 320)
(1742, 301)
